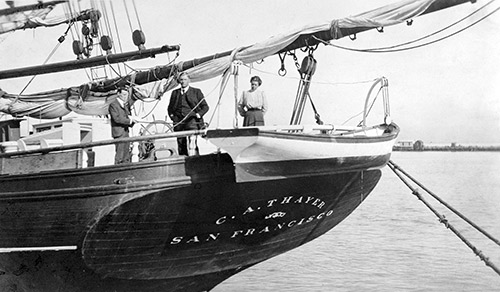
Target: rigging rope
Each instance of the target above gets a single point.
(172, 72)
(317, 116)
(59, 41)
(106, 28)
(222, 83)
(69, 15)
(116, 27)
(110, 34)
(250, 66)
(395, 168)
(137, 15)
(390, 50)
(128, 16)
(76, 28)
(118, 73)
(361, 112)
(446, 204)
(438, 31)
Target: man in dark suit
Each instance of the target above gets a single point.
(121, 121)
(186, 109)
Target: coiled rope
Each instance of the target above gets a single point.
(400, 172)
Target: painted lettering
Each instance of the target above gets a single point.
(176, 240)
(275, 215)
(221, 220)
(266, 229)
(248, 210)
(286, 200)
(250, 231)
(276, 219)
(193, 239)
(315, 203)
(271, 202)
(212, 236)
(236, 233)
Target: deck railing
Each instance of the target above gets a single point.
(105, 142)
(296, 129)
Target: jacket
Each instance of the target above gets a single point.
(194, 98)
(120, 122)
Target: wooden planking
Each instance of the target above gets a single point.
(36, 163)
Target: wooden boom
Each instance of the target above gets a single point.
(160, 72)
(85, 63)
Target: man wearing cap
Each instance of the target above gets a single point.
(121, 121)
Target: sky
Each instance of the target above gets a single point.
(448, 91)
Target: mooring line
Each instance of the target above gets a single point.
(442, 218)
(446, 204)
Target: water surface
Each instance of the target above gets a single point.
(392, 242)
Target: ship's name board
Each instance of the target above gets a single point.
(272, 217)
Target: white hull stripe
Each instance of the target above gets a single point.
(268, 149)
(41, 248)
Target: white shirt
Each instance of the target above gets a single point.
(252, 100)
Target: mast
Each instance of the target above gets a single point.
(304, 40)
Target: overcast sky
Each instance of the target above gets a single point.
(445, 92)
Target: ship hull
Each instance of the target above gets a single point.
(184, 223)
(132, 229)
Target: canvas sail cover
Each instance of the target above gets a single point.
(29, 19)
(59, 103)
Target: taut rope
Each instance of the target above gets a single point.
(400, 172)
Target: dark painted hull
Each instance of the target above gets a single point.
(184, 224)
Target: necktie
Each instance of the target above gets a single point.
(182, 91)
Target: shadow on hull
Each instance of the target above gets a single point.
(181, 238)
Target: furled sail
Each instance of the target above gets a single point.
(32, 16)
(214, 65)
(153, 83)
(58, 103)
(385, 16)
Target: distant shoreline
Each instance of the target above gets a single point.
(449, 148)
